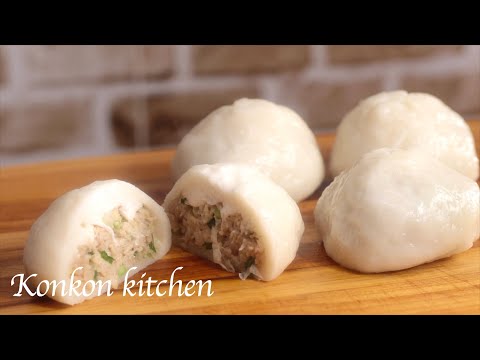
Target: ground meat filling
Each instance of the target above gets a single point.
(109, 258)
(227, 241)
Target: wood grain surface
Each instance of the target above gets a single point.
(312, 284)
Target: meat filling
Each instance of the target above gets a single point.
(226, 241)
(109, 258)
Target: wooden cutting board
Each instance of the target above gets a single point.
(312, 284)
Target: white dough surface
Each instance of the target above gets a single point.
(257, 132)
(396, 209)
(398, 119)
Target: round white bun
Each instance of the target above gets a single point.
(260, 133)
(266, 207)
(68, 223)
(404, 120)
(396, 209)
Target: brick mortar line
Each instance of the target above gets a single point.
(434, 67)
(318, 55)
(391, 81)
(100, 123)
(134, 88)
(182, 61)
(473, 51)
(268, 88)
(15, 70)
(141, 130)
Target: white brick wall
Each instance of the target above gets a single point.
(103, 76)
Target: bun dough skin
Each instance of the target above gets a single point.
(69, 221)
(266, 207)
(396, 209)
(260, 133)
(404, 120)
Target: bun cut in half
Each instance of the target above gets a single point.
(237, 217)
(96, 234)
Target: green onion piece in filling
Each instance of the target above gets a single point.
(207, 246)
(151, 245)
(135, 253)
(250, 261)
(95, 276)
(106, 257)
(117, 225)
(122, 270)
(211, 223)
(216, 213)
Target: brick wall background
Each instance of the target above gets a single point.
(68, 101)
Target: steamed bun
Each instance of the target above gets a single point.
(97, 233)
(237, 217)
(404, 120)
(395, 209)
(256, 132)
